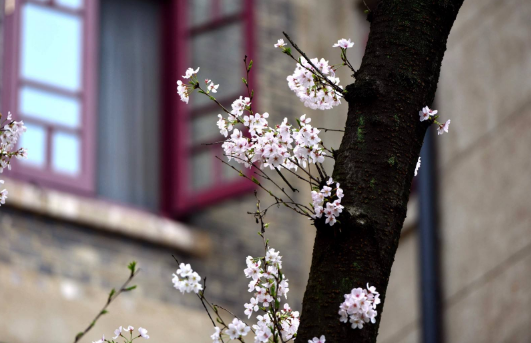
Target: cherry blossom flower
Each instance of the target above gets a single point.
(190, 72)
(280, 44)
(318, 340)
(305, 120)
(443, 127)
(117, 332)
(3, 196)
(426, 113)
(252, 306)
(417, 167)
(182, 90)
(216, 335)
(184, 270)
(10, 132)
(102, 340)
(143, 333)
(212, 87)
(343, 44)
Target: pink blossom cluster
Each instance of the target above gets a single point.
(186, 280)
(122, 332)
(312, 90)
(269, 285)
(359, 307)
(235, 330)
(318, 339)
(9, 135)
(322, 202)
(283, 146)
(426, 113)
(184, 90)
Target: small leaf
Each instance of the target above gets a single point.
(250, 65)
(112, 293)
(129, 288)
(244, 80)
(104, 312)
(255, 180)
(132, 267)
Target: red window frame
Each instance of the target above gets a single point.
(182, 199)
(176, 198)
(12, 81)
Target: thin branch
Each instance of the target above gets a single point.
(335, 87)
(110, 299)
(304, 170)
(320, 172)
(299, 177)
(213, 143)
(286, 181)
(326, 130)
(249, 92)
(280, 200)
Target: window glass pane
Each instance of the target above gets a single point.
(75, 4)
(204, 128)
(202, 170)
(199, 11)
(229, 7)
(229, 174)
(35, 141)
(220, 55)
(51, 47)
(66, 153)
(50, 107)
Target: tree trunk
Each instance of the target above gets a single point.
(376, 161)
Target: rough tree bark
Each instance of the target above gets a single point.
(376, 160)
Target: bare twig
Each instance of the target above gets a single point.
(112, 296)
(326, 130)
(286, 181)
(335, 87)
(280, 200)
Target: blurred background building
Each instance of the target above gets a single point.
(117, 170)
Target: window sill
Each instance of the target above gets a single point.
(107, 216)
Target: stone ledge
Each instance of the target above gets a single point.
(106, 216)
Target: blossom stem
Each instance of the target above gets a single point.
(111, 298)
(286, 181)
